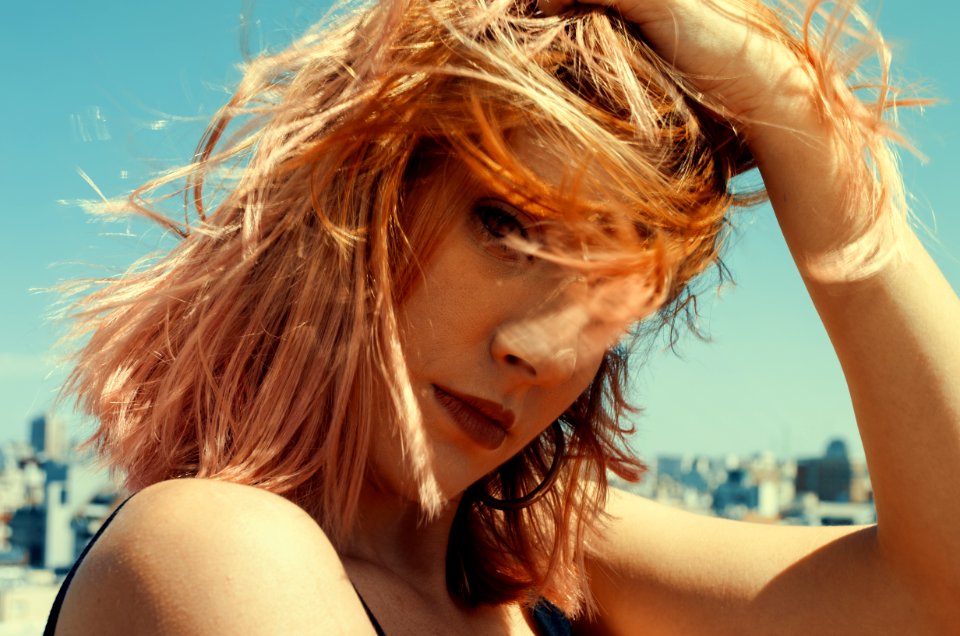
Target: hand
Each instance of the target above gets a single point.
(746, 71)
(842, 216)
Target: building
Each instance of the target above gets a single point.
(26, 596)
(44, 528)
(829, 477)
(48, 437)
(808, 510)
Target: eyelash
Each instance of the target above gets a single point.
(496, 221)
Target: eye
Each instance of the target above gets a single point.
(496, 222)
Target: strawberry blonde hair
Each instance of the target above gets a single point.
(263, 348)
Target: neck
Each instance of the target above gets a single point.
(394, 551)
(392, 534)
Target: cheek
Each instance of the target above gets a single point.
(624, 300)
(438, 338)
(452, 301)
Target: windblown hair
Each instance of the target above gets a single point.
(263, 348)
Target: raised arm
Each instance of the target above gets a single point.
(895, 324)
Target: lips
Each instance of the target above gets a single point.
(484, 422)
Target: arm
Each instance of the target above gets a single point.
(657, 570)
(895, 325)
(203, 557)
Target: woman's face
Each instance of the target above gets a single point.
(499, 343)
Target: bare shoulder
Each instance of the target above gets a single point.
(206, 557)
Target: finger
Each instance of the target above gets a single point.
(553, 7)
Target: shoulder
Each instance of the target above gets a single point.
(201, 556)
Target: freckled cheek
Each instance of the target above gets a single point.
(616, 305)
(416, 329)
(442, 316)
(592, 345)
(558, 400)
(588, 367)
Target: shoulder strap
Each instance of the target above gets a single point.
(373, 619)
(550, 620)
(51, 626)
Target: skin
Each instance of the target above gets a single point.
(653, 571)
(896, 336)
(483, 320)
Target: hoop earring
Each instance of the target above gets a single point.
(560, 447)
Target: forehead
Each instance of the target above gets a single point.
(577, 226)
(568, 185)
(569, 169)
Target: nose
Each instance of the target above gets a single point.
(544, 345)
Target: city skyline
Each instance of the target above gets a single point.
(121, 92)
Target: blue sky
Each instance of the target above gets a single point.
(121, 89)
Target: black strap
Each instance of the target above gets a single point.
(550, 620)
(51, 626)
(373, 619)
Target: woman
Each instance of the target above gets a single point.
(377, 384)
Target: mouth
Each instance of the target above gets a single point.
(486, 423)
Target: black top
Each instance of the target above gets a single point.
(550, 621)
(548, 618)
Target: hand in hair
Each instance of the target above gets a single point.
(725, 48)
(744, 61)
(892, 318)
